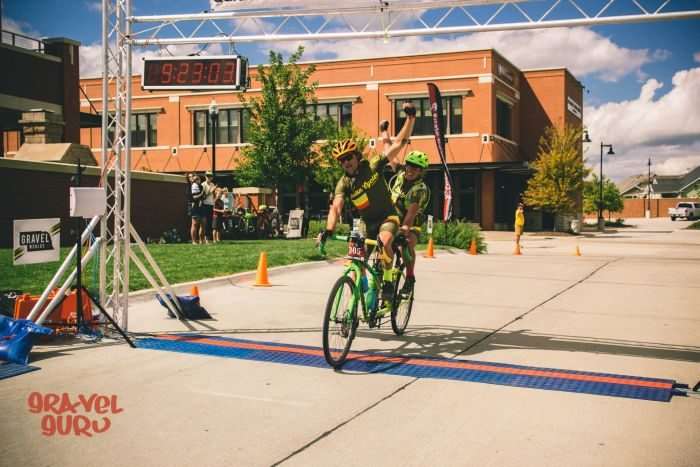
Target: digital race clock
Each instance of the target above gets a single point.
(209, 72)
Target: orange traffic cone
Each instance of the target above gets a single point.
(195, 291)
(517, 249)
(431, 249)
(472, 247)
(261, 276)
(578, 251)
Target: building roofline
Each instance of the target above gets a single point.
(688, 184)
(493, 51)
(420, 54)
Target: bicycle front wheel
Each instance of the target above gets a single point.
(340, 322)
(401, 306)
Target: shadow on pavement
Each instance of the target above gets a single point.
(442, 341)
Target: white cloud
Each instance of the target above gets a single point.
(94, 5)
(581, 50)
(91, 56)
(665, 128)
(19, 27)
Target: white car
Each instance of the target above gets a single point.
(686, 210)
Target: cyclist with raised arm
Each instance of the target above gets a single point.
(364, 184)
(410, 196)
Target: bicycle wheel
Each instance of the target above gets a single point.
(340, 322)
(401, 306)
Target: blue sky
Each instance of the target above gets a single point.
(642, 80)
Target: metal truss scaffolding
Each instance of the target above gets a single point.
(298, 20)
(261, 20)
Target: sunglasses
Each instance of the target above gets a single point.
(345, 158)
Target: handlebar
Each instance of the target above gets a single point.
(400, 240)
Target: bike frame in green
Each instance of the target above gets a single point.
(356, 268)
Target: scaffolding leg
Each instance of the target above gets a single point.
(102, 310)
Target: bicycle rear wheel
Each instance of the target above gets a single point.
(401, 307)
(340, 322)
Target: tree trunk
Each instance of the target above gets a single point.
(307, 199)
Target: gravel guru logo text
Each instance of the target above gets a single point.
(81, 415)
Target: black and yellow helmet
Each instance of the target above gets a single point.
(343, 147)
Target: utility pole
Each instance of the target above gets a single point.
(601, 221)
(214, 116)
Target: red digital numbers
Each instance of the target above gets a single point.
(197, 68)
(229, 70)
(194, 72)
(182, 74)
(166, 73)
(213, 76)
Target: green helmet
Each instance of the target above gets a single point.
(418, 158)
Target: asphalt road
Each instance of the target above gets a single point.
(630, 305)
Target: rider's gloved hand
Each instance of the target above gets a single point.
(323, 236)
(383, 125)
(409, 109)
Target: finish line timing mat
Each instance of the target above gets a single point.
(633, 387)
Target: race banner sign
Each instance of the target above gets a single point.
(36, 241)
(429, 224)
(435, 100)
(296, 220)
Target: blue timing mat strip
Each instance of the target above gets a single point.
(440, 368)
(8, 370)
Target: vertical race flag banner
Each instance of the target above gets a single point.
(36, 241)
(439, 132)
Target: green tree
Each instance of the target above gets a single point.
(612, 199)
(281, 132)
(559, 171)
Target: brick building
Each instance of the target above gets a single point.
(496, 114)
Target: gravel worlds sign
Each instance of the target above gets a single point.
(36, 241)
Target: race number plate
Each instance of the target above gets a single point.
(356, 248)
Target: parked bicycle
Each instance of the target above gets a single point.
(349, 292)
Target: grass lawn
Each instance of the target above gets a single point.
(182, 262)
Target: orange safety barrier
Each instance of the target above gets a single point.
(63, 315)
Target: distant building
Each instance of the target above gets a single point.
(40, 75)
(495, 113)
(663, 186)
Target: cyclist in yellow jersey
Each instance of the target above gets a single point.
(364, 184)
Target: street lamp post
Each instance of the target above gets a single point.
(214, 117)
(601, 221)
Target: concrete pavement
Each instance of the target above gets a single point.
(630, 305)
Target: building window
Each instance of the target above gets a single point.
(451, 110)
(144, 130)
(339, 112)
(232, 128)
(504, 113)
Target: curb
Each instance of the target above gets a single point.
(232, 279)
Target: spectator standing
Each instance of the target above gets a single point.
(208, 203)
(196, 212)
(519, 223)
(189, 179)
(218, 215)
